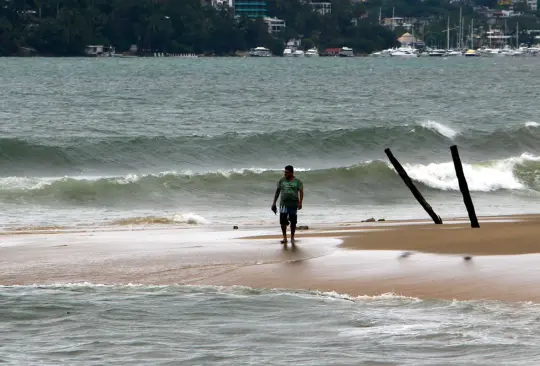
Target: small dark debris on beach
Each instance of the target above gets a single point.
(235, 227)
(371, 219)
(467, 258)
(302, 227)
(405, 254)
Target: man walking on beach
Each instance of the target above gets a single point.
(292, 194)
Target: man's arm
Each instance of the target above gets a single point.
(300, 194)
(276, 196)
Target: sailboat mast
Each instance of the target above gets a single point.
(472, 34)
(448, 34)
(393, 17)
(517, 35)
(463, 33)
(460, 29)
(505, 33)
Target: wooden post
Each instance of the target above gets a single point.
(409, 183)
(464, 187)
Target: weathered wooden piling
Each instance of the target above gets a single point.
(409, 183)
(464, 187)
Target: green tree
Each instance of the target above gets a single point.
(65, 27)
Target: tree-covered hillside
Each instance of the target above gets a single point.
(65, 27)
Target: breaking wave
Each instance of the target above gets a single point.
(78, 155)
(372, 177)
(179, 218)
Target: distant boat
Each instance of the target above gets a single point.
(287, 52)
(437, 53)
(346, 52)
(312, 52)
(454, 53)
(260, 52)
(383, 53)
(298, 53)
(471, 53)
(404, 52)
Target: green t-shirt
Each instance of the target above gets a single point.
(290, 191)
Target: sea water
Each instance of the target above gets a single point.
(116, 143)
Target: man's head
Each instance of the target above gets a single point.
(289, 171)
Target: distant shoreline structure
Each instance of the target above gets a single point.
(402, 51)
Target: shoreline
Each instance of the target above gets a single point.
(354, 259)
(153, 222)
(453, 237)
(175, 55)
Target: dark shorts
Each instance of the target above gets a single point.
(288, 214)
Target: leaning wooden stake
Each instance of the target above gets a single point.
(464, 187)
(409, 183)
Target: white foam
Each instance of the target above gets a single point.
(228, 172)
(441, 129)
(384, 296)
(41, 182)
(217, 288)
(19, 182)
(480, 177)
(532, 124)
(190, 218)
(32, 183)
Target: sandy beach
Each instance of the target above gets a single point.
(357, 259)
(508, 235)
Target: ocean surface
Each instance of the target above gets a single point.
(181, 325)
(94, 141)
(183, 142)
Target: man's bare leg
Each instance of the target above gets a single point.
(284, 231)
(293, 230)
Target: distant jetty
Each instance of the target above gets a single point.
(183, 55)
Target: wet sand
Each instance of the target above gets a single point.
(345, 259)
(496, 236)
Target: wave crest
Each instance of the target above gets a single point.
(369, 179)
(78, 155)
(443, 130)
(178, 218)
(485, 177)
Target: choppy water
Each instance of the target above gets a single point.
(171, 325)
(86, 141)
(176, 141)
